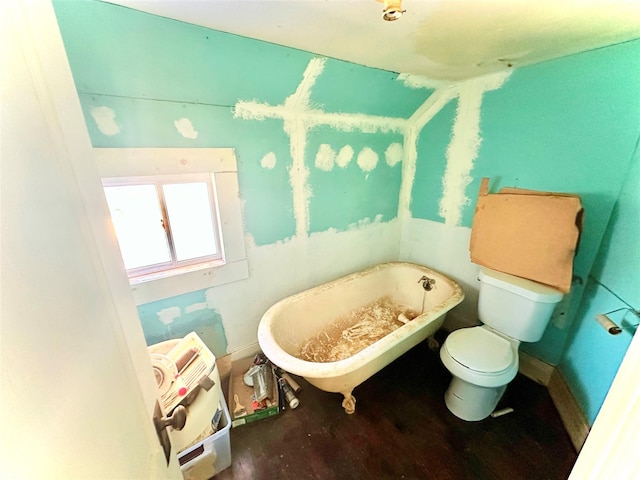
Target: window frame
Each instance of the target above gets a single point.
(221, 164)
(158, 181)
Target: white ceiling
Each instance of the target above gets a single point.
(439, 39)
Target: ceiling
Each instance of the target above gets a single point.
(443, 40)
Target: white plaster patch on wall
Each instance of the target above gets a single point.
(299, 175)
(345, 122)
(298, 117)
(349, 122)
(393, 154)
(344, 156)
(168, 315)
(436, 101)
(185, 128)
(105, 119)
(418, 81)
(297, 131)
(268, 161)
(299, 100)
(325, 158)
(367, 159)
(464, 146)
(196, 307)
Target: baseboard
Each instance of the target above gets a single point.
(572, 417)
(224, 363)
(535, 369)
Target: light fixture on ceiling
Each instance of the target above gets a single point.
(392, 10)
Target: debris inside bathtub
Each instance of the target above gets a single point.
(356, 331)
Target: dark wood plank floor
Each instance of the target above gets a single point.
(403, 430)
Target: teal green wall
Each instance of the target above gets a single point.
(152, 71)
(592, 357)
(431, 164)
(184, 318)
(344, 196)
(568, 125)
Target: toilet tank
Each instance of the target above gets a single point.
(515, 306)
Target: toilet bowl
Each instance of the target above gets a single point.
(484, 359)
(482, 363)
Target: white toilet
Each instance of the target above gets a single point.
(484, 359)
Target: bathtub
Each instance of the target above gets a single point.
(289, 323)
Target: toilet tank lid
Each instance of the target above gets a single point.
(535, 291)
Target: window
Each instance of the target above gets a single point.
(217, 166)
(164, 222)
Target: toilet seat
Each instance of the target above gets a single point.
(480, 357)
(480, 350)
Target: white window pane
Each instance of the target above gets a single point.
(191, 220)
(137, 219)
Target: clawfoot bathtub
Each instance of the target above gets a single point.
(288, 324)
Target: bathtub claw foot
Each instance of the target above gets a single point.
(349, 403)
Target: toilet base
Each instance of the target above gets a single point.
(472, 402)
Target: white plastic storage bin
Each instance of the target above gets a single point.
(212, 455)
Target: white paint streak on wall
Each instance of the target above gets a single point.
(420, 117)
(325, 158)
(185, 128)
(464, 146)
(268, 161)
(367, 159)
(105, 119)
(349, 122)
(168, 315)
(196, 307)
(344, 156)
(299, 175)
(297, 131)
(393, 154)
(299, 100)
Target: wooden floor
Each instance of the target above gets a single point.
(403, 430)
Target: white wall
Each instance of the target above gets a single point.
(445, 248)
(71, 400)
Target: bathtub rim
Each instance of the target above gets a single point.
(304, 368)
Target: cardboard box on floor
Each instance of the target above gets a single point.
(527, 233)
(244, 393)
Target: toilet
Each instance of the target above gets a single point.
(484, 359)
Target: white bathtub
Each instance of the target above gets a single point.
(289, 323)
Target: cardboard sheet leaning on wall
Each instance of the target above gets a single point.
(527, 233)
